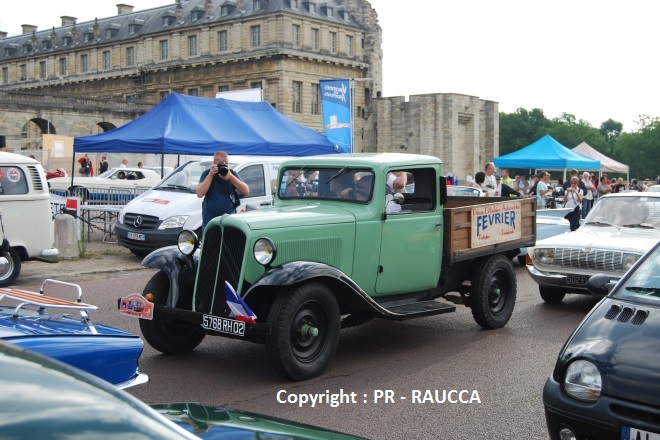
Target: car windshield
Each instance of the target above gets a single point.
(186, 177)
(455, 191)
(106, 174)
(626, 212)
(345, 184)
(644, 283)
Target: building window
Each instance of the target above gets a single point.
(295, 31)
(256, 85)
(168, 20)
(66, 41)
(349, 45)
(23, 72)
(316, 99)
(27, 48)
(223, 41)
(256, 35)
(130, 56)
(106, 60)
(223, 89)
(294, 4)
(42, 70)
(62, 66)
(46, 44)
(333, 42)
(193, 92)
(224, 10)
(297, 97)
(197, 14)
(312, 7)
(256, 5)
(164, 94)
(84, 63)
(5, 75)
(315, 39)
(192, 45)
(164, 49)
(88, 37)
(329, 12)
(133, 28)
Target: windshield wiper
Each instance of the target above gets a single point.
(300, 173)
(339, 173)
(602, 224)
(640, 225)
(654, 290)
(172, 186)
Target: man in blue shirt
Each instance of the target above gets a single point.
(216, 185)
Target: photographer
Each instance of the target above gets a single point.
(216, 185)
(573, 199)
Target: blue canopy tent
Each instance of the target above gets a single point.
(184, 124)
(547, 154)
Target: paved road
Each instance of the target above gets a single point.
(506, 368)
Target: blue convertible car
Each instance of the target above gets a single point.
(27, 320)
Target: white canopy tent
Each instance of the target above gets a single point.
(607, 164)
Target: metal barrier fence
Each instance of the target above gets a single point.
(103, 196)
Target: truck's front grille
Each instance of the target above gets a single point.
(221, 259)
(598, 259)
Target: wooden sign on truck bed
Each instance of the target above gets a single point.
(486, 225)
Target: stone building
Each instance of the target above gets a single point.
(201, 47)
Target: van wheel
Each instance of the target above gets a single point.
(305, 330)
(9, 272)
(168, 336)
(493, 292)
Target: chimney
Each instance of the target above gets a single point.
(178, 11)
(240, 6)
(3, 35)
(208, 7)
(124, 9)
(68, 21)
(28, 28)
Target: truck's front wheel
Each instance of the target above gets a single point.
(493, 292)
(168, 336)
(305, 330)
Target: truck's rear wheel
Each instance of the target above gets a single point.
(493, 292)
(168, 336)
(550, 295)
(305, 330)
(9, 272)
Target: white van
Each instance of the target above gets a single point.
(155, 218)
(27, 222)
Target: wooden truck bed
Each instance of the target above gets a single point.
(501, 224)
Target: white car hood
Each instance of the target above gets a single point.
(605, 237)
(164, 204)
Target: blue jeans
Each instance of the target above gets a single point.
(586, 206)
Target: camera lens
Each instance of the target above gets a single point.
(223, 169)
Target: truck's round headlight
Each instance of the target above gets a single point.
(583, 381)
(629, 260)
(187, 242)
(544, 255)
(264, 251)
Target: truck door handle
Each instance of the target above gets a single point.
(438, 225)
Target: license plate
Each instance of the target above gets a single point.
(577, 280)
(134, 236)
(224, 325)
(629, 433)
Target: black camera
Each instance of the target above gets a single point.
(223, 169)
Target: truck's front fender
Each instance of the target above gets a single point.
(348, 293)
(171, 261)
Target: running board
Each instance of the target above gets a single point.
(418, 310)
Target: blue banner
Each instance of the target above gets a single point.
(337, 115)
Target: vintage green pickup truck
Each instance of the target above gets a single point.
(347, 240)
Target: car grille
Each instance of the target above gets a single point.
(609, 261)
(148, 222)
(222, 255)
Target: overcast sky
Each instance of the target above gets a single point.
(595, 59)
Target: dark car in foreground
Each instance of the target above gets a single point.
(43, 398)
(606, 382)
(48, 325)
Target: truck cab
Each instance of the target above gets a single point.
(349, 238)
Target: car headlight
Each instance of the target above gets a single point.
(120, 217)
(544, 255)
(176, 221)
(629, 260)
(264, 251)
(583, 381)
(187, 242)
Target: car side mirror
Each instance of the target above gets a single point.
(599, 284)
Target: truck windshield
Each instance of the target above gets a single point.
(341, 183)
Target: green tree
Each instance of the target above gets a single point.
(640, 150)
(610, 130)
(571, 132)
(519, 129)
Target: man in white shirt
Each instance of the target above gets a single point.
(490, 183)
(124, 162)
(588, 199)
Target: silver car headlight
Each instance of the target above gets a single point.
(264, 251)
(120, 217)
(187, 242)
(544, 255)
(176, 221)
(583, 381)
(629, 261)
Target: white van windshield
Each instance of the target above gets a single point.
(186, 177)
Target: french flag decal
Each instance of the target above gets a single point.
(239, 309)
